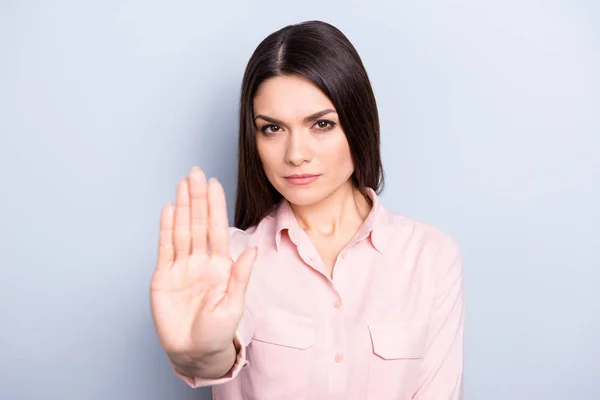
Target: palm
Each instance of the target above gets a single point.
(197, 296)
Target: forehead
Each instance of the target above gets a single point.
(289, 97)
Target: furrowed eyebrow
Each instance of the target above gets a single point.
(310, 118)
(268, 119)
(318, 115)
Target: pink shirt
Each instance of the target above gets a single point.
(388, 326)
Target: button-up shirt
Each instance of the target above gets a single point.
(388, 324)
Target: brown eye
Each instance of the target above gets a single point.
(270, 129)
(324, 125)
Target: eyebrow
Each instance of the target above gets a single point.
(310, 118)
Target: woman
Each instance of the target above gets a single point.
(319, 292)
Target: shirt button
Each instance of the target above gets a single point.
(339, 358)
(338, 304)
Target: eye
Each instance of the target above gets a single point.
(324, 125)
(267, 129)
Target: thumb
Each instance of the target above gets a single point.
(239, 277)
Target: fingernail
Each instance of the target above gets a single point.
(195, 173)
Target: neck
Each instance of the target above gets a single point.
(344, 210)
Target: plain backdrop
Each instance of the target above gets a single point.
(490, 116)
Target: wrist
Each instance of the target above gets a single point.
(204, 364)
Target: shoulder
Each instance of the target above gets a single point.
(422, 239)
(417, 230)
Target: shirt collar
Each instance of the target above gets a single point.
(376, 226)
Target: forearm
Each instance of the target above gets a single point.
(211, 366)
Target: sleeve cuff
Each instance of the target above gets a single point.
(240, 362)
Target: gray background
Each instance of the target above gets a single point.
(490, 123)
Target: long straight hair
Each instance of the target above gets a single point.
(322, 54)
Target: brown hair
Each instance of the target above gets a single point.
(321, 53)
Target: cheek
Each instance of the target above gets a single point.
(336, 151)
(266, 153)
(346, 160)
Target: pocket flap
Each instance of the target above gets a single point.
(398, 341)
(284, 328)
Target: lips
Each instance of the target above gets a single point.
(302, 179)
(298, 176)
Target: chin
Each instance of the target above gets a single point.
(302, 196)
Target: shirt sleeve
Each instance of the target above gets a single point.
(242, 338)
(240, 362)
(441, 374)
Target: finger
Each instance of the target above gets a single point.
(218, 226)
(165, 237)
(199, 213)
(240, 275)
(181, 230)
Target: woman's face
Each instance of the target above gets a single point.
(300, 141)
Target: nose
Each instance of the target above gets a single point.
(298, 150)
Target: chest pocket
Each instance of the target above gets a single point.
(398, 341)
(281, 353)
(282, 328)
(395, 360)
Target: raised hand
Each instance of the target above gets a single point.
(197, 294)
